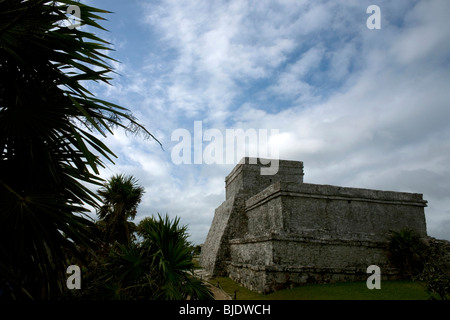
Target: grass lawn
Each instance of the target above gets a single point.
(390, 290)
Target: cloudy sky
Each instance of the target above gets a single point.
(362, 108)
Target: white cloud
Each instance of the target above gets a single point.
(362, 108)
(387, 130)
(427, 34)
(293, 82)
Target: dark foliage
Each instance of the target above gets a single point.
(48, 150)
(422, 259)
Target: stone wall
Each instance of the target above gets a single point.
(332, 212)
(229, 220)
(213, 250)
(278, 232)
(266, 279)
(246, 179)
(287, 262)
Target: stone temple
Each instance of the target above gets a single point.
(275, 231)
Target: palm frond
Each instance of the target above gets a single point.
(49, 152)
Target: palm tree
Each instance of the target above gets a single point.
(121, 196)
(48, 150)
(158, 267)
(165, 241)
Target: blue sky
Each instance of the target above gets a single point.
(362, 108)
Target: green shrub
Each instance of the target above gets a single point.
(406, 251)
(421, 259)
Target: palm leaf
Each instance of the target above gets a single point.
(49, 153)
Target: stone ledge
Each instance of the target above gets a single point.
(310, 239)
(308, 269)
(330, 192)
